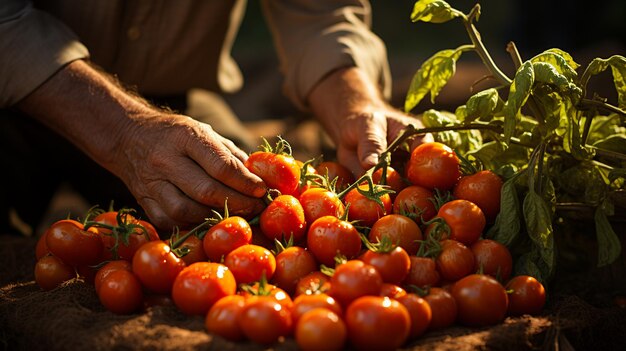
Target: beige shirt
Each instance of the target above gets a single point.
(165, 47)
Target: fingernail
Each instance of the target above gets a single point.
(370, 160)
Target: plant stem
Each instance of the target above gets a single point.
(585, 104)
(515, 56)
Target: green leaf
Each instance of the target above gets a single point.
(529, 264)
(609, 247)
(518, 94)
(615, 143)
(618, 68)
(568, 58)
(553, 109)
(481, 105)
(572, 138)
(537, 216)
(617, 173)
(434, 11)
(431, 77)
(560, 60)
(507, 225)
(605, 126)
(548, 74)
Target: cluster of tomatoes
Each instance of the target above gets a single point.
(372, 262)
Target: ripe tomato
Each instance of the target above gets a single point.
(365, 210)
(264, 320)
(329, 236)
(225, 236)
(401, 230)
(336, 170)
(222, 317)
(51, 272)
(455, 260)
(480, 299)
(354, 279)
(41, 249)
(377, 323)
(423, 272)
(313, 283)
(492, 258)
(420, 313)
(443, 308)
(304, 303)
(283, 218)
(199, 286)
(120, 292)
(482, 188)
(393, 266)
(465, 220)
(319, 202)
(157, 266)
(73, 245)
(127, 231)
(434, 166)
(391, 291)
(292, 264)
(320, 329)
(264, 289)
(107, 269)
(416, 202)
(526, 296)
(278, 171)
(305, 182)
(249, 263)
(394, 180)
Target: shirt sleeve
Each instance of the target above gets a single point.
(33, 46)
(315, 37)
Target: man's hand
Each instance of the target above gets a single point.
(177, 168)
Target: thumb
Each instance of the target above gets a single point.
(373, 140)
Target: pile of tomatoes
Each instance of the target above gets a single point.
(373, 262)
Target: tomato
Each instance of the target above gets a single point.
(264, 289)
(264, 320)
(377, 323)
(305, 182)
(526, 296)
(334, 170)
(480, 299)
(304, 303)
(434, 166)
(401, 230)
(222, 317)
(51, 272)
(391, 291)
(41, 249)
(313, 283)
(443, 308)
(126, 230)
(157, 266)
(249, 263)
(465, 220)
(416, 202)
(107, 269)
(278, 171)
(455, 260)
(329, 236)
(71, 243)
(394, 180)
(292, 264)
(225, 236)
(354, 279)
(320, 202)
(420, 313)
(393, 266)
(283, 218)
(482, 188)
(492, 258)
(320, 329)
(120, 292)
(198, 286)
(365, 210)
(423, 272)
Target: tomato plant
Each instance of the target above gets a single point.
(283, 218)
(330, 236)
(526, 295)
(367, 204)
(275, 165)
(157, 266)
(249, 263)
(320, 329)
(198, 286)
(393, 179)
(480, 299)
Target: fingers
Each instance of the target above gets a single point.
(374, 139)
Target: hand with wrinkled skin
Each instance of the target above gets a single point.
(176, 167)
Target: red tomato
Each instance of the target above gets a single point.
(416, 202)
(120, 292)
(377, 323)
(443, 308)
(259, 289)
(283, 218)
(225, 236)
(127, 231)
(304, 303)
(157, 266)
(366, 211)
(420, 313)
(292, 264)
(264, 320)
(526, 296)
(480, 299)
(391, 291)
(312, 284)
(393, 266)
(320, 329)
(305, 181)
(354, 279)
(278, 171)
(42, 248)
(482, 188)
(492, 258)
(51, 272)
(394, 180)
(423, 272)
(107, 269)
(433, 165)
(336, 170)
(329, 236)
(465, 220)
(199, 286)
(455, 260)
(401, 230)
(73, 245)
(320, 202)
(222, 317)
(249, 263)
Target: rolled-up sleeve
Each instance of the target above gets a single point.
(315, 37)
(33, 46)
